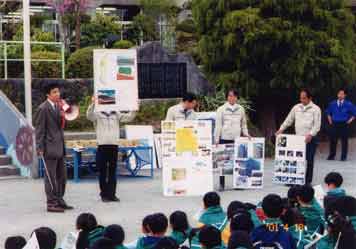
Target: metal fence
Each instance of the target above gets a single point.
(4, 46)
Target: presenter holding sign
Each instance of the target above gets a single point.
(306, 117)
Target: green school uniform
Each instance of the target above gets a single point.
(180, 237)
(214, 216)
(120, 247)
(336, 192)
(95, 235)
(147, 242)
(255, 220)
(326, 243)
(314, 217)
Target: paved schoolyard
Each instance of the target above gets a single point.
(22, 201)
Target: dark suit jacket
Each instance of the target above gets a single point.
(49, 133)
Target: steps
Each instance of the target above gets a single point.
(7, 170)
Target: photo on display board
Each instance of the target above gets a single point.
(106, 97)
(242, 151)
(299, 154)
(125, 68)
(281, 152)
(179, 174)
(290, 153)
(282, 141)
(258, 152)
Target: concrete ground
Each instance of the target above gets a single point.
(22, 202)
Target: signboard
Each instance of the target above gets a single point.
(187, 158)
(115, 80)
(249, 163)
(290, 160)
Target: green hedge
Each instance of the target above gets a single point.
(123, 44)
(80, 63)
(44, 69)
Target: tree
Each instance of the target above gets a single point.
(271, 48)
(65, 8)
(96, 31)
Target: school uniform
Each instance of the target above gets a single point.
(272, 234)
(213, 216)
(147, 242)
(178, 113)
(340, 112)
(180, 237)
(314, 217)
(230, 123)
(107, 127)
(50, 140)
(307, 121)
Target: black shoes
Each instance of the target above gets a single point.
(331, 158)
(112, 199)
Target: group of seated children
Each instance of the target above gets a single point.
(275, 223)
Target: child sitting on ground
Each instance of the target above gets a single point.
(313, 215)
(213, 215)
(166, 243)
(103, 243)
(89, 230)
(15, 242)
(180, 227)
(156, 228)
(239, 240)
(333, 182)
(272, 233)
(116, 234)
(210, 238)
(46, 237)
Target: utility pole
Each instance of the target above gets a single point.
(27, 58)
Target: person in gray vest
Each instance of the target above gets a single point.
(230, 121)
(107, 127)
(183, 110)
(306, 117)
(51, 149)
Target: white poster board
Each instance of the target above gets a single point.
(290, 160)
(187, 158)
(143, 133)
(115, 80)
(249, 163)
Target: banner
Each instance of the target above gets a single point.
(249, 163)
(290, 163)
(115, 80)
(187, 158)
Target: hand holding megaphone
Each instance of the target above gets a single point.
(71, 112)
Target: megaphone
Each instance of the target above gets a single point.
(71, 112)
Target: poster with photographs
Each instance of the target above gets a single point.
(290, 160)
(249, 163)
(223, 159)
(186, 158)
(115, 80)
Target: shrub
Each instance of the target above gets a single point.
(44, 69)
(123, 44)
(80, 63)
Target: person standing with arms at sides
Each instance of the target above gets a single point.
(183, 110)
(306, 117)
(341, 113)
(231, 120)
(107, 126)
(51, 149)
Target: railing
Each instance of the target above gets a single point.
(5, 59)
(18, 137)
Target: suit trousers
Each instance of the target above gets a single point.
(55, 181)
(106, 160)
(310, 154)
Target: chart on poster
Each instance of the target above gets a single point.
(290, 164)
(186, 158)
(115, 80)
(249, 163)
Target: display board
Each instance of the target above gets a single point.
(290, 163)
(249, 163)
(115, 80)
(187, 158)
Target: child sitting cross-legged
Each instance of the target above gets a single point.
(333, 182)
(272, 233)
(116, 234)
(181, 229)
(210, 238)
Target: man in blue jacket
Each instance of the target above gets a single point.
(341, 113)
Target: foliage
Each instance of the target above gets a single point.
(95, 32)
(145, 24)
(123, 44)
(187, 39)
(80, 63)
(44, 69)
(278, 44)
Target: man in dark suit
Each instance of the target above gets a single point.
(50, 147)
